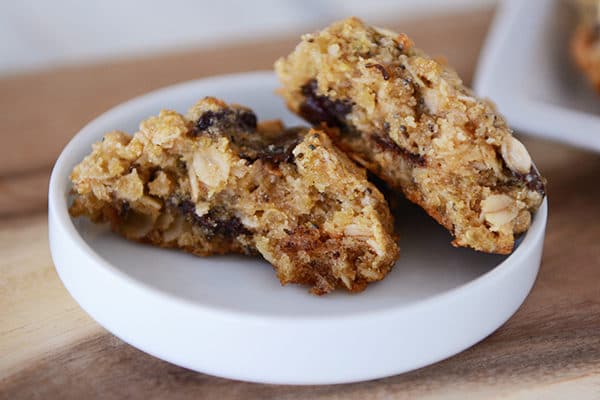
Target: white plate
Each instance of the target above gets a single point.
(229, 316)
(526, 69)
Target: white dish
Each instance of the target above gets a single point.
(229, 316)
(526, 69)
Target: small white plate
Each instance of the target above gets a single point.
(229, 316)
(526, 69)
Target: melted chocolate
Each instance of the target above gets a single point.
(317, 108)
(213, 223)
(225, 119)
(532, 180)
(385, 143)
(280, 150)
(123, 208)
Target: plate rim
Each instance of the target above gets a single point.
(544, 120)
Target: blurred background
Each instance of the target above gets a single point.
(64, 62)
(38, 34)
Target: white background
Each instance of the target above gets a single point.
(37, 34)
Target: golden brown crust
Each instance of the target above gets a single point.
(215, 182)
(411, 121)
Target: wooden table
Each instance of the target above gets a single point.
(49, 348)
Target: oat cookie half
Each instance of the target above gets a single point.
(215, 181)
(410, 120)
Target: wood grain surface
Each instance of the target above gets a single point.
(49, 348)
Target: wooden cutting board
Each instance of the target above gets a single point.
(49, 348)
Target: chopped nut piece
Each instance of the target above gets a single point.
(495, 203)
(211, 165)
(161, 185)
(498, 210)
(515, 155)
(129, 187)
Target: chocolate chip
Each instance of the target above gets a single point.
(185, 206)
(248, 120)
(214, 222)
(421, 108)
(232, 227)
(123, 208)
(381, 69)
(317, 108)
(225, 119)
(207, 120)
(533, 180)
(278, 151)
(385, 143)
(182, 165)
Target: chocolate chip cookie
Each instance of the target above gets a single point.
(215, 181)
(410, 120)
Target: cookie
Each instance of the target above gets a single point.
(410, 120)
(585, 41)
(215, 182)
